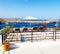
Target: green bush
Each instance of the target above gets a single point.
(7, 30)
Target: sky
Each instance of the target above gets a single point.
(49, 9)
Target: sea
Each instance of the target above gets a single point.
(26, 24)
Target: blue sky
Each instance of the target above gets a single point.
(49, 9)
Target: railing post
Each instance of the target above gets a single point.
(31, 36)
(54, 35)
(21, 36)
(2, 38)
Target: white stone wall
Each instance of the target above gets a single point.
(0, 39)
